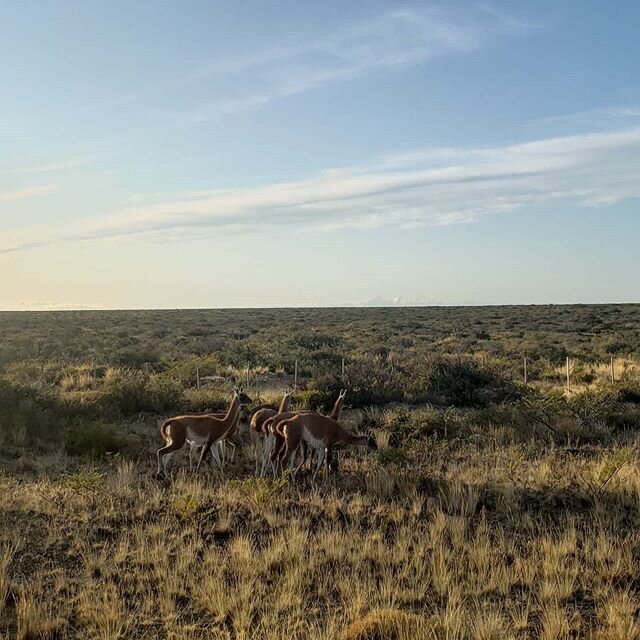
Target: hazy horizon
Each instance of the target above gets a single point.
(223, 156)
(361, 305)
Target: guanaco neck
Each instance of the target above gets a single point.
(285, 404)
(337, 408)
(233, 411)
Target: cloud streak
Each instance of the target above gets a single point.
(391, 40)
(27, 192)
(598, 117)
(57, 166)
(430, 187)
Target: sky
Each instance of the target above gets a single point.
(260, 154)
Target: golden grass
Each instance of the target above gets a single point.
(386, 624)
(453, 550)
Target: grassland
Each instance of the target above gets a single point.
(491, 510)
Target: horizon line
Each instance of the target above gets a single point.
(474, 305)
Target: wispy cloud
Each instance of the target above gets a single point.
(27, 192)
(394, 39)
(595, 117)
(61, 165)
(423, 188)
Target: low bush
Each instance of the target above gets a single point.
(462, 383)
(184, 372)
(314, 400)
(628, 392)
(392, 457)
(95, 438)
(202, 400)
(370, 382)
(162, 393)
(404, 425)
(24, 418)
(131, 391)
(126, 389)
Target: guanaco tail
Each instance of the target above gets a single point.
(198, 430)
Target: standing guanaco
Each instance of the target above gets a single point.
(198, 430)
(320, 434)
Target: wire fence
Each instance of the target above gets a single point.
(615, 369)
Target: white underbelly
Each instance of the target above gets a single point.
(313, 442)
(194, 439)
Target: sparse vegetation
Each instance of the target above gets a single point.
(490, 510)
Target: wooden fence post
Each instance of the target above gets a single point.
(525, 371)
(568, 375)
(197, 378)
(343, 368)
(295, 375)
(247, 375)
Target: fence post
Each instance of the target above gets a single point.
(295, 375)
(568, 375)
(525, 371)
(613, 373)
(343, 368)
(247, 376)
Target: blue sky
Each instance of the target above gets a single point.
(201, 154)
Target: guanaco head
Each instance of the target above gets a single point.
(371, 439)
(291, 396)
(242, 396)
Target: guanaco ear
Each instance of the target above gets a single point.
(343, 393)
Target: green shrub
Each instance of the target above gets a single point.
(370, 382)
(618, 347)
(94, 438)
(592, 407)
(316, 341)
(628, 392)
(126, 389)
(314, 400)
(392, 457)
(463, 384)
(406, 425)
(207, 399)
(138, 358)
(184, 372)
(400, 426)
(162, 393)
(85, 481)
(131, 391)
(23, 418)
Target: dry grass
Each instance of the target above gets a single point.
(387, 624)
(452, 548)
